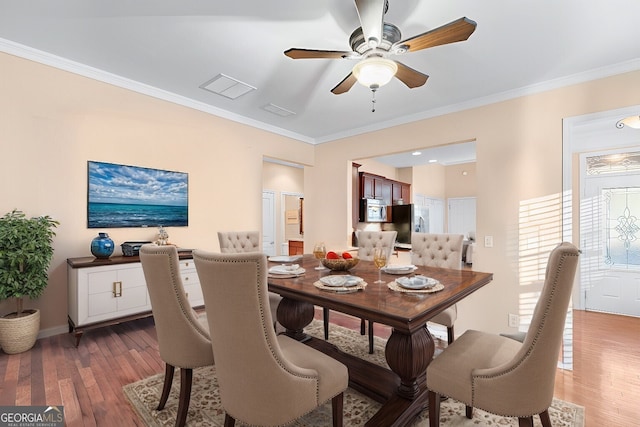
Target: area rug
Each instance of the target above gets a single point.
(206, 410)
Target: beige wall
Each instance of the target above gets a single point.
(429, 180)
(375, 167)
(461, 180)
(52, 122)
(519, 160)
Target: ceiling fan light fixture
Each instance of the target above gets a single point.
(631, 121)
(375, 72)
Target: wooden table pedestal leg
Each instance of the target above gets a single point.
(294, 316)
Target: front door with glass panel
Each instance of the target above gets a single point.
(610, 233)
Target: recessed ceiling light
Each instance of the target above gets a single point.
(416, 153)
(433, 161)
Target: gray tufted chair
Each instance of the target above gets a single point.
(246, 241)
(504, 376)
(264, 379)
(368, 241)
(183, 336)
(443, 251)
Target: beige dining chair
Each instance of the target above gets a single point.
(183, 335)
(243, 242)
(368, 241)
(264, 379)
(502, 375)
(443, 251)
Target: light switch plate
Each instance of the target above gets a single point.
(514, 320)
(488, 241)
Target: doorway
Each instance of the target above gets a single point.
(596, 135)
(610, 232)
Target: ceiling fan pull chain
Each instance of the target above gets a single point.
(373, 99)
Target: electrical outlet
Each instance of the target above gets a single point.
(514, 320)
(488, 241)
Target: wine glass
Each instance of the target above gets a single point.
(379, 260)
(319, 252)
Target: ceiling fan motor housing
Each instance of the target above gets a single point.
(390, 35)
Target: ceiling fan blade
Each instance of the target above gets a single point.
(455, 31)
(371, 13)
(346, 84)
(409, 76)
(311, 54)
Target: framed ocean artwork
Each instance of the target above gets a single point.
(122, 196)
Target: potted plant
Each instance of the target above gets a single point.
(26, 249)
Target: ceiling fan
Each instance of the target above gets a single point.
(376, 40)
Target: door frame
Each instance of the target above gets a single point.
(272, 195)
(283, 216)
(588, 133)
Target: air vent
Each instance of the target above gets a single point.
(227, 86)
(282, 112)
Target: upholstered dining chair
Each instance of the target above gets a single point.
(444, 251)
(264, 378)
(183, 335)
(246, 241)
(368, 241)
(502, 375)
(239, 241)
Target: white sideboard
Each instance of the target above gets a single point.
(108, 291)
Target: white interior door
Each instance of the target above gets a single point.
(436, 214)
(610, 238)
(268, 223)
(462, 215)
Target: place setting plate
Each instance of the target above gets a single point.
(342, 280)
(285, 258)
(286, 271)
(416, 284)
(399, 269)
(341, 283)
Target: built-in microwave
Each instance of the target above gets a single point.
(373, 210)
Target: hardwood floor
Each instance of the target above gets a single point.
(88, 380)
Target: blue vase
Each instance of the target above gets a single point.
(102, 246)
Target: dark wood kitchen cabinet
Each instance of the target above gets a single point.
(367, 187)
(374, 186)
(401, 191)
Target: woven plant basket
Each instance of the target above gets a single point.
(19, 334)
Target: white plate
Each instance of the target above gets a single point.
(399, 269)
(343, 280)
(285, 258)
(416, 282)
(286, 269)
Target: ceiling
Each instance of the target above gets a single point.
(169, 49)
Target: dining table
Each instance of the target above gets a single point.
(401, 388)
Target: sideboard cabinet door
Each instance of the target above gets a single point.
(107, 292)
(113, 291)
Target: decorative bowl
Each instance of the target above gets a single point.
(341, 264)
